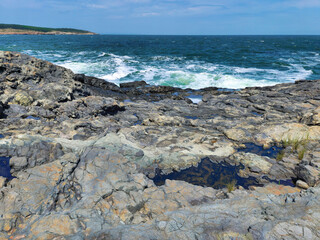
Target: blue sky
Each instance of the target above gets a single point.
(211, 17)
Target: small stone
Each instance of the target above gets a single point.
(302, 184)
(162, 225)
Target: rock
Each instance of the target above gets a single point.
(54, 225)
(312, 118)
(80, 170)
(308, 174)
(2, 108)
(276, 189)
(291, 230)
(254, 162)
(162, 225)
(23, 99)
(238, 134)
(90, 106)
(18, 163)
(302, 184)
(2, 181)
(55, 93)
(96, 82)
(133, 84)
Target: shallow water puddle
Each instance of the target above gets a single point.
(286, 182)
(210, 174)
(33, 118)
(257, 114)
(191, 117)
(5, 167)
(259, 150)
(139, 122)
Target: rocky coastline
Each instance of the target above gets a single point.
(30, 32)
(82, 158)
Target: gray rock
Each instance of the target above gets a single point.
(308, 174)
(80, 170)
(2, 181)
(18, 163)
(302, 184)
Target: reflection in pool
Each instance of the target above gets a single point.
(259, 150)
(5, 167)
(210, 174)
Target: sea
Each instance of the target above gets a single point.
(196, 62)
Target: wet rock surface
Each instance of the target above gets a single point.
(82, 154)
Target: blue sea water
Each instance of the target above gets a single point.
(196, 62)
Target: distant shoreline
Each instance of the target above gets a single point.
(14, 29)
(15, 32)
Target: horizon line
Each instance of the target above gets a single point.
(146, 34)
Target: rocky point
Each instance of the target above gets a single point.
(82, 153)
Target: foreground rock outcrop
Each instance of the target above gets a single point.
(83, 152)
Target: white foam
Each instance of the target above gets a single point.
(195, 99)
(121, 72)
(77, 67)
(102, 54)
(177, 71)
(167, 58)
(185, 79)
(231, 82)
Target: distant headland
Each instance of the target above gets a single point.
(15, 29)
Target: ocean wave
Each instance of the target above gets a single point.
(202, 80)
(167, 58)
(102, 54)
(247, 70)
(175, 71)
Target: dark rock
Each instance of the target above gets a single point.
(133, 84)
(308, 174)
(79, 137)
(2, 108)
(78, 172)
(96, 82)
(90, 106)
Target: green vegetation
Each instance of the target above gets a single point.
(280, 155)
(301, 153)
(40, 29)
(298, 145)
(231, 186)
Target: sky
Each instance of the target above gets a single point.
(173, 17)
